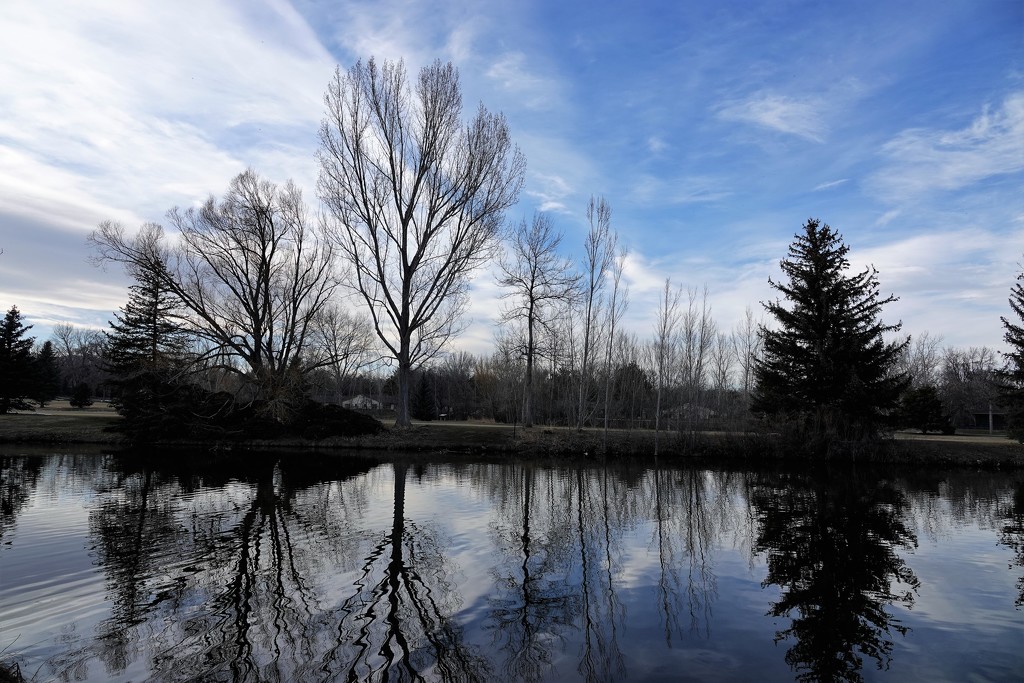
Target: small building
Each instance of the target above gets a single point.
(361, 402)
(988, 417)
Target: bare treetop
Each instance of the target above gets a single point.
(416, 198)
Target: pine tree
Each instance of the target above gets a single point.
(17, 377)
(1012, 376)
(47, 376)
(827, 365)
(144, 353)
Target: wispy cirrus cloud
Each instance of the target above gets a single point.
(119, 107)
(513, 73)
(799, 116)
(830, 184)
(919, 160)
(679, 190)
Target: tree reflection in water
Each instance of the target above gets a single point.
(398, 624)
(18, 478)
(534, 604)
(343, 570)
(1012, 536)
(234, 584)
(830, 543)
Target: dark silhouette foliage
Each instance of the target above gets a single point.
(1012, 376)
(17, 374)
(424, 406)
(81, 396)
(47, 375)
(145, 356)
(922, 409)
(827, 368)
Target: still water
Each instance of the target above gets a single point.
(308, 568)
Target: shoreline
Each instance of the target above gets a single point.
(460, 440)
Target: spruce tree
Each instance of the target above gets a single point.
(1012, 376)
(17, 374)
(144, 354)
(47, 376)
(827, 365)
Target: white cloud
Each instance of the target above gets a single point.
(655, 145)
(795, 116)
(951, 282)
(550, 192)
(513, 73)
(920, 160)
(121, 106)
(679, 190)
(830, 184)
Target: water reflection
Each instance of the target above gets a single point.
(278, 568)
(398, 623)
(831, 541)
(1012, 535)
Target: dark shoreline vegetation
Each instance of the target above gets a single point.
(488, 440)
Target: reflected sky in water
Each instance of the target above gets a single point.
(302, 567)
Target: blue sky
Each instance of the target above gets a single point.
(714, 130)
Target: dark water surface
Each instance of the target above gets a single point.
(265, 569)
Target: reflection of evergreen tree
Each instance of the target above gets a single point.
(1012, 536)
(18, 477)
(830, 544)
(136, 534)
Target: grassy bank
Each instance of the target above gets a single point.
(60, 424)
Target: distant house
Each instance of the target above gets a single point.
(361, 402)
(988, 417)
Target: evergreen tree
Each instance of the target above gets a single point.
(144, 354)
(17, 374)
(81, 396)
(1012, 376)
(827, 365)
(921, 408)
(47, 376)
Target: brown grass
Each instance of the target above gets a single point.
(61, 424)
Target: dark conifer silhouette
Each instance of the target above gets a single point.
(47, 375)
(827, 364)
(17, 374)
(1012, 386)
(144, 354)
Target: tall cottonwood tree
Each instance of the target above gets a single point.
(536, 278)
(663, 348)
(252, 273)
(598, 252)
(416, 199)
(617, 305)
(827, 364)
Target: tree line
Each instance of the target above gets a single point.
(254, 303)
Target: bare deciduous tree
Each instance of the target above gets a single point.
(921, 360)
(697, 331)
(616, 309)
(79, 352)
(537, 278)
(598, 251)
(252, 274)
(344, 342)
(416, 197)
(748, 349)
(665, 341)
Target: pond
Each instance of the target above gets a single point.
(303, 567)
